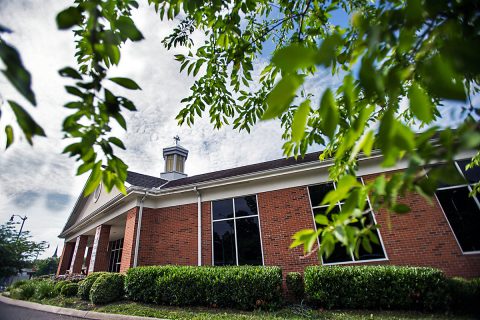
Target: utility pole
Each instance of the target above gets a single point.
(23, 222)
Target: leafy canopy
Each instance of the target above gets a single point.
(400, 62)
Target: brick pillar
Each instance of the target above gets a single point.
(89, 256)
(99, 259)
(129, 240)
(78, 254)
(65, 258)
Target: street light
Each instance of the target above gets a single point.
(23, 221)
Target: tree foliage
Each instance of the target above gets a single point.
(46, 266)
(400, 63)
(16, 251)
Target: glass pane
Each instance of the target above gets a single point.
(246, 206)
(179, 164)
(169, 163)
(224, 243)
(464, 216)
(318, 192)
(248, 241)
(472, 175)
(222, 209)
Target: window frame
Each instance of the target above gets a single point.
(234, 218)
(475, 199)
(115, 255)
(353, 261)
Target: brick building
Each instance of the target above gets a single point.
(248, 214)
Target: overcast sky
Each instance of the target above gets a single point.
(40, 182)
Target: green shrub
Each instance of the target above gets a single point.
(18, 283)
(25, 291)
(59, 285)
(245, 287)
(295, 285)
(86, 284)
(45, 289)
(140, 283)
(465, 295)
(69, 290)
(375, 287)
(107, 288)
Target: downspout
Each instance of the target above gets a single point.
(199, 224)
(139, 226)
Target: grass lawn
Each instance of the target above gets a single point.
(294, 312)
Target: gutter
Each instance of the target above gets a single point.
(199, 225)
(139, 228)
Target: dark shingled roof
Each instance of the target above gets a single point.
(142, 180)
(262, 166)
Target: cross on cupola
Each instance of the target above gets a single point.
(175, 157)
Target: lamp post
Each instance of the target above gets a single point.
(23, 221)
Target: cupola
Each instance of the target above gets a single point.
(175, 157)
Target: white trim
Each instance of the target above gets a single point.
(259, 229)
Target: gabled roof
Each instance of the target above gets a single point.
(257, 167)
(144, 181)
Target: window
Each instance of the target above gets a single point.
(179, 164)
(461, 210)
(340, 255)
(115, 248)
(236, 232)
(169, 163)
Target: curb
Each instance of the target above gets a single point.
(93, 315)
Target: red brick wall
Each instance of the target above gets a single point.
(169, 236)
(130, 235)
(65, 258)
(424, 238)
(207, 233)
(78, 254)
(282, 213)
(100, 257)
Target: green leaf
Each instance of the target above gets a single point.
(94, 179)
(401, 208)
(126, 83)
(294, 57)
(279, 99)
(128, 29)
(329, 113)
(16, 73)
(300, 120)
(441, 79)
(321, 219)
(29, 127)
(70, 73)
(328, 50)
(9, 134)
(85, 167)
(117, 142)
(68, 18)
(74, 91)
(420, 103)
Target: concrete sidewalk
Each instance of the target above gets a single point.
(73, 313)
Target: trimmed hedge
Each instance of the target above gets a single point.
(24, 291)
(86, 284)
(59, 285)
(69, 290)
(295, 286)
(107, 288)
(140, 283)
(374, 287)
(245, 287)
(465, 295)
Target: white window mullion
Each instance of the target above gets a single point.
(235, 231)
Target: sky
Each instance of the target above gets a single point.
(40, 182)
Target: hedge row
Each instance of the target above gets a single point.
(245, 287)
(377, 287)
